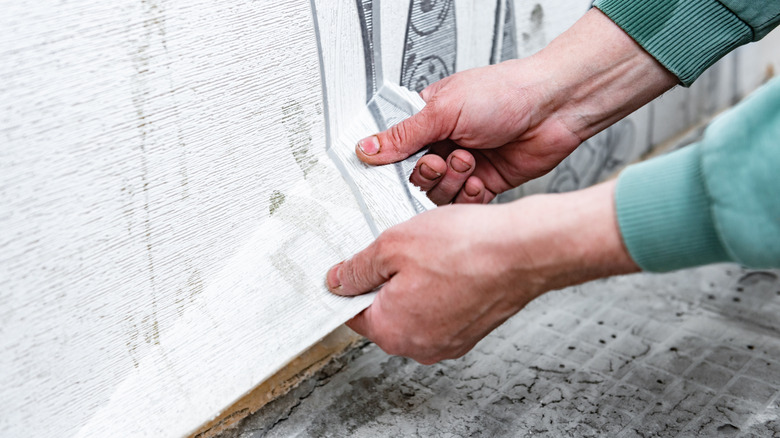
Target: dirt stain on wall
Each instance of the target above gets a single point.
(188, 294)
(291, 271)
(276, 201)
(144, 329)
(298, 128)
(534, 39)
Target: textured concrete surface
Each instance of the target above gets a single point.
(691, 353)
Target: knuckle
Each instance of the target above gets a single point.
(427, 93)
(386, 245)
(427, 360)
(388, 337)
(435, 104)
(425, 350)
(432, 357)
(457, 348)
(398, 135)
(434, 118)
(391, 346)
(381, 244)
(347, 275)
(457, 354)
(381, 250)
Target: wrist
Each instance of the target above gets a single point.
(597, 74)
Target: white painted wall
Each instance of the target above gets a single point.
(144, 281)
(168, 207)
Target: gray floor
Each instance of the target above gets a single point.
(692, 353)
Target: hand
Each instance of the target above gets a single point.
(486, 135)
(453, 274)
(494, 128)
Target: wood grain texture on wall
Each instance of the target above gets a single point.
(168, 211)
(170, 198)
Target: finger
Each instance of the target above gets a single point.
(367, 323)
(460, 165)
(489, 196)
(491, 176)
(473, 192)
(431, 90)
(428, 172)
(432, 124)
(362, 323)
(380, 327)
(363, 273)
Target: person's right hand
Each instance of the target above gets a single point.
(494, 128)
(451, 275)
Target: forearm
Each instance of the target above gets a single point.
(571, 237)
(593, 75)
(451, 275)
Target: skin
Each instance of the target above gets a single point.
(517, 120)
(445, 288)
(451, 275)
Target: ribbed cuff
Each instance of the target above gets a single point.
(685, 36)
(664, 213)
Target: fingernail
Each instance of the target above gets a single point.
(471, 190)
(428, 173)
(369, 145)
(332, 279)
(459, 165)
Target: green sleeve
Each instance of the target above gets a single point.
(688, 36)
(715, 201)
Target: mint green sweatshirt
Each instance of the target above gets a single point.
(717, 200)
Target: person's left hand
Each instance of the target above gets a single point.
(494, 128)
(453, 274)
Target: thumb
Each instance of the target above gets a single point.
(362, 273)
(428, 126)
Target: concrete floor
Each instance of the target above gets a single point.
(691, 353)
